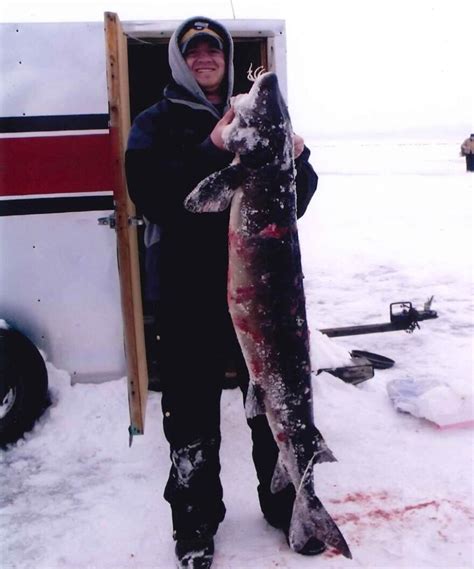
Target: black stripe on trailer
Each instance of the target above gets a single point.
(55, 205)
(54, 123)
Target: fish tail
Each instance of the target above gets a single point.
(310, 519)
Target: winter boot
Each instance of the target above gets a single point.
(194, 553)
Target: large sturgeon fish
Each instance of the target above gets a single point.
(266, 296)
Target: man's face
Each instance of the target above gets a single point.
(207, 64)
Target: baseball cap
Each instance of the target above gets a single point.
(200, 29)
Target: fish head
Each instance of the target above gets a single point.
(261, 132)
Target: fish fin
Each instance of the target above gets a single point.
(214, 193)
(280, 478)
(322, 453)
(253, 402)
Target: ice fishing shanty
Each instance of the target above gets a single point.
(67, 282)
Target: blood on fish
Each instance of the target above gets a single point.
(237, 241)
(243, 325)
(272, 230)
(256, 366)
(243, 293)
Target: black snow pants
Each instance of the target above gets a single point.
(470, 162)
(193, 367)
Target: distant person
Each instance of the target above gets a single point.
(467, 150)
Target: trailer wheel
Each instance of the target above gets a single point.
(23, 385)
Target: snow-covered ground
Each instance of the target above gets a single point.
(390, 222)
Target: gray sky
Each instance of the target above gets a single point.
(355, 67)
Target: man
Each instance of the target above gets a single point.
(172, 146)
(467, 150)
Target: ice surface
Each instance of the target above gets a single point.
(388, 223)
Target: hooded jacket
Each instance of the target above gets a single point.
(169, 152)
(182, 76)
(467, 147)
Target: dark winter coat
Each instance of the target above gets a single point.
(176, 154)
(169, 152)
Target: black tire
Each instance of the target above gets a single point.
(23, 385)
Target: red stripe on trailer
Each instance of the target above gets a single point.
(55, 164)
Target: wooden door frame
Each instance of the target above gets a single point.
(127, 240)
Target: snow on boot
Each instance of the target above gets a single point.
(194, 553)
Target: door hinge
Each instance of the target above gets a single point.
(110, 220)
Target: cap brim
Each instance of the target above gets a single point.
(202, 36)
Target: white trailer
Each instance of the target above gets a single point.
(69, 92)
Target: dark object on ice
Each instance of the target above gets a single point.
(360, 370)
(23, 385)
(469, 162)
(194, 553)
(467, 150)
(377, 361)
(402, 317)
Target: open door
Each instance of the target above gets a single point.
(125, 224)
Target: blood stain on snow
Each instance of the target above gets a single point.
(362, 497)
(374, 509)
(374, 515)
(331, 552)
(377, 514)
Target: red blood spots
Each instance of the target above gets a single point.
(362, 497)
(256, 367)
(370, 511)
(237, 242)
(331, 552)
(371, 514)
(244, 325)
(274, 231)
(282, 437)
(243, 293)
(241, 323)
